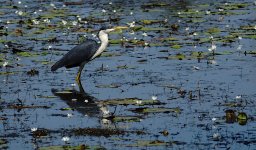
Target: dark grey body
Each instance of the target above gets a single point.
(77, 56)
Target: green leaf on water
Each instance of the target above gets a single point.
(27, 54)
(7, 73)
(178, 56)
(213, 30)
(176, 46)
(115, 41)
(149, 22)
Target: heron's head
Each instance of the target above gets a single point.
(108, 30)
(103, 34)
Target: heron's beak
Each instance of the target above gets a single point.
(120, 27)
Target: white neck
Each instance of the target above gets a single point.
(104, 43)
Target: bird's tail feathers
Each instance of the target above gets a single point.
(56, 66)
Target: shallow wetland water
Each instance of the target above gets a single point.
(182, 76)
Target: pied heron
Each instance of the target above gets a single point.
(85, 52)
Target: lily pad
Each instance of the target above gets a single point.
(176, 46)
(149, 22)
(213, 30)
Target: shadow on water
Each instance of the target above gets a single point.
(79, 101)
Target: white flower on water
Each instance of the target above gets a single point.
(35, 22)
(240, 38)
(5, 64)
(227, 26)
(52, 5)
(93, 35)
(221, 9)
(146, 44)
(19, 2)
(6, 46)
(144, 34)
(197, 11)
(105, 111)
(196, 68)
(86, 101)
(179, 13)
(110, 3)
(40, 10)
(254, 27)
(238, 97)
(213, 62)
(216, 136)
(239, 47)
(195, 34)
(103, 10)
(73, 99)
(20, 13)
(226, 3)
(64, 22)
(213, 48)
(208, 12)
(114, 11)
(74, 23)
(49, 47)
(154, 97)
(132, 32)
(165, 20)
(65, 139)
(131, 24)
(33, 129)
(131, 13)
(69, 115)
(187, 28)
(138, 102)
(214, 119)
(47, 20)
(73, 84)
(211, 37)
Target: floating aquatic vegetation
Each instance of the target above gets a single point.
(242, 118)
(40, 133)
(156, 110)
(27, 54)
(108, 86)
(124, 118)
(97, 132)
(32, 72)
(130, 101)
(14, 106)
(69, 147)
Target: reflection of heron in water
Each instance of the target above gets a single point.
(83, 102)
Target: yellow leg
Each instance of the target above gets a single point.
(79, 72)
(78, 77)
